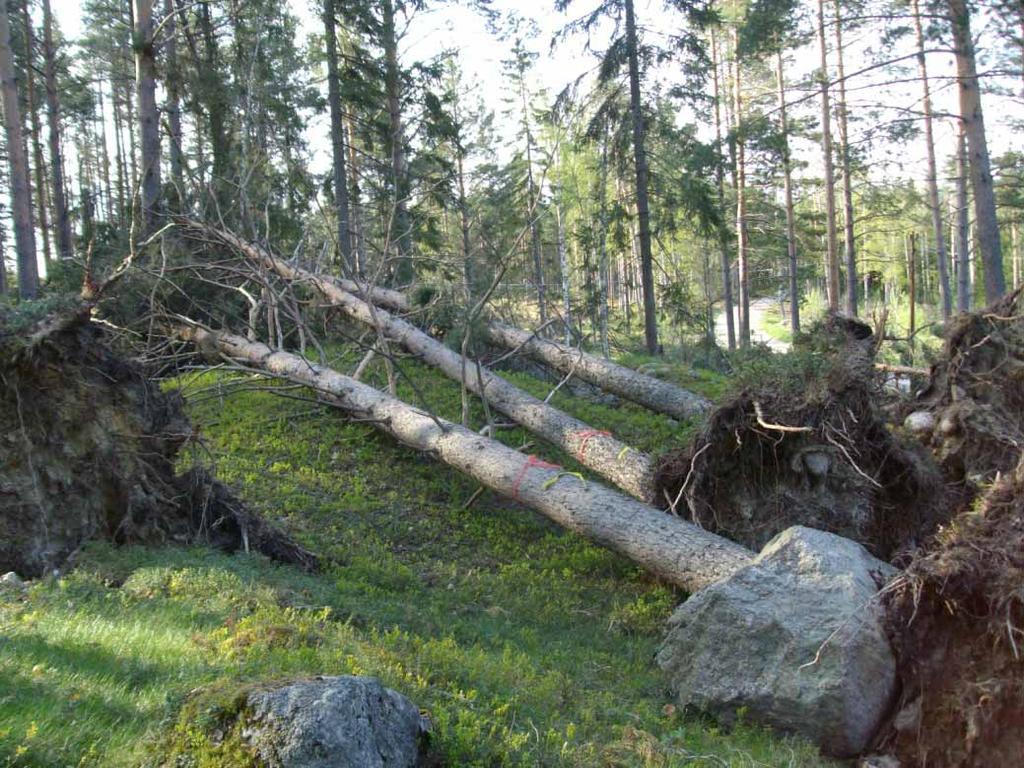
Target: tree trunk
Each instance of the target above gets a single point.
(340, 176)
(787, 177)
(669, 548)
(400, 233)
(627, 468)
(933, 185)
(101, 137)
(850, 251)
(912, 285)
(533, 206)
(642, 203)
(980, 168)
(603, 267)
(173, 108)
(1015, 244)
(723, 237)
(741, 199)
(34, 132)
(831, 236)
(563, 266)
(21, 188)
(149, 125)
(963, 274)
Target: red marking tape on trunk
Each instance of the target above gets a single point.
(584, 438)
(531, 461)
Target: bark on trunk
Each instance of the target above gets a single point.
(669, 548)
(963, 259)
(933, 185)
(723, 237)
(787, 175)
(35, 131)
(980, 167)
(597, 450)
(21, 188)
(173, 80)
(337, 137)
(642, 204)
(563, 266)
(532, 204)
(831, 236)
(741, 200)
(149, 126)
(400, 231)
(849, 245)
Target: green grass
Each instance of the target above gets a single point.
(525, 644)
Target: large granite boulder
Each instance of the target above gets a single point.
(335, 722)
(796, 640)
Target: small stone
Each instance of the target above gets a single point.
(920, 422)
(12, 581)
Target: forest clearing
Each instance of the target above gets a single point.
(452, 383)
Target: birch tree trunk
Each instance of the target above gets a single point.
(831, 235)
(149, 125)
(980, 167)
(563, 264)
(664, 545)
(933, 185)
(787, 177)
(597, 450)
(850, 251)
(21, 188)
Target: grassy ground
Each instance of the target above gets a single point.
(526, 645)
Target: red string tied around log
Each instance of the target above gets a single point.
(584, 438)
(531, 462)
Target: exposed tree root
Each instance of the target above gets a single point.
(89, 450)
(808, 445)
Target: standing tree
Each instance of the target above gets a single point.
(977, 143)
(831, 236)
(21, 188)
(62, 218)
(149, 121)
(339, 175)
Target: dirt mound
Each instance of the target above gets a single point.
(89, 449)
(976, 394)
(957, 617)
(807, 444)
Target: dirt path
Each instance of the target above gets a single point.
(759, 309)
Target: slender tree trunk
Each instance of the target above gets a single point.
(108, 190)
(723, 235)
(467, 250)
(603, 267)
(849, 243)
(831, 236)
(741, 199)
(671, 549)
(642, 203)
(20, 186)
(563, 265)
(3, 261)
(963, 275)
(912, 284)
(945, 294)
(787, 178)
(34, 131)
(149, 124)
(401, 234)
(1015, 244)
(173, 84)
(122, 168)
(533, 205)
(340, 176)
(980, 167)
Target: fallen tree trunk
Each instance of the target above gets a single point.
(669, 548)
(627, 468)
(652, 393)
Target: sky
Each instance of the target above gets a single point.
(453, 27)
